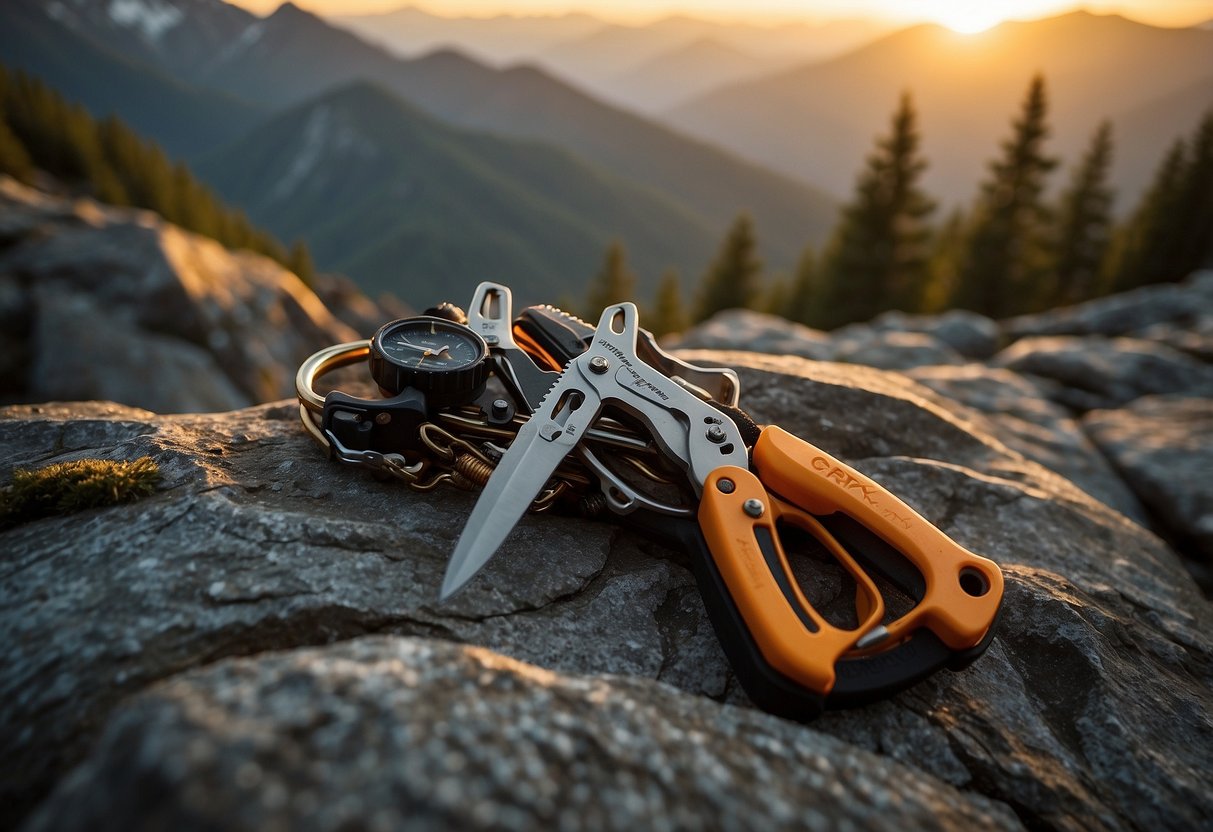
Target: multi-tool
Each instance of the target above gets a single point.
(602, 419)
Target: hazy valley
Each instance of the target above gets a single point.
(816, 121)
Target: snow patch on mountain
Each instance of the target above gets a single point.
(152, 17)
(247, 39)
(251, 35)
(327, 137)
(314, 133)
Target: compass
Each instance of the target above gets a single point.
(446, 361)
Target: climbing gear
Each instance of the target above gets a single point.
(601, 419)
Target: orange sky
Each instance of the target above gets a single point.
(970, 14)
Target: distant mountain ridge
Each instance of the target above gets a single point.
(599, 59)
(687, 71)
(817, 121)
(606, 58)
(411, 31)
(92, 59)
(293, 56)
(420, 209)
(526, 102)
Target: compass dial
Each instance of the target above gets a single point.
(443, 359)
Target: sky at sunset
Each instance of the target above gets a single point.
(964, 15)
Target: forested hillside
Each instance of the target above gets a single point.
(1040, 232)
(41, 131)
(816, 120)
(291, 57)
(416, 207)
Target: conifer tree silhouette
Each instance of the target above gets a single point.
(1142, 247)
(1005, 260)
(614, 282)
(1083, 228)
(734, 279)
(115, 165)
(669, 313)
(878, 257)
(804, 293)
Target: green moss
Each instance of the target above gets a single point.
(67, 487)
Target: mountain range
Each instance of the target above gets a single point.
(685, 72)
(503, 39)
(607, 58)
(818, 121)
(424, 210)
(96, 62)
(290, 58)
(527, 173)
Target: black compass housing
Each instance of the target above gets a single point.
(446, 361)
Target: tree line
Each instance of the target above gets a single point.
(42, 131)
(1014, 250)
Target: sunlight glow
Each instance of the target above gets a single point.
(968, 17)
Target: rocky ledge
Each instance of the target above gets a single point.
(1083, 390)
(98, 302)
(258, 645)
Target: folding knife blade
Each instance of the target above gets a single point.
(536, 452)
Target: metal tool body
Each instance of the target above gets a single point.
(788, 657)
(609, 372)
(491, 315)
(621, 398)
(400, 435)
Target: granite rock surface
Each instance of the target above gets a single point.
(106, 303)
(1092, 708)
(1163, 446)
(388, 733)
(1034, 377)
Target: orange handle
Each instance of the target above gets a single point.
(792, 636)
(963, 590)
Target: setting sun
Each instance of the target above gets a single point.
(968, 18)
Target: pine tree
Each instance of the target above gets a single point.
(1195, 217)
(567, 303)
(1170, 234)
(669, 314)
(947, 256)
(106, 186)
(775, 298)
(14, 159)
(300, 262)
(803, 301)
(1143, 245)
(1084, 219)
(116, 166)
(734, 279)
(614, 282)
(878, 257)
(1004, 262)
